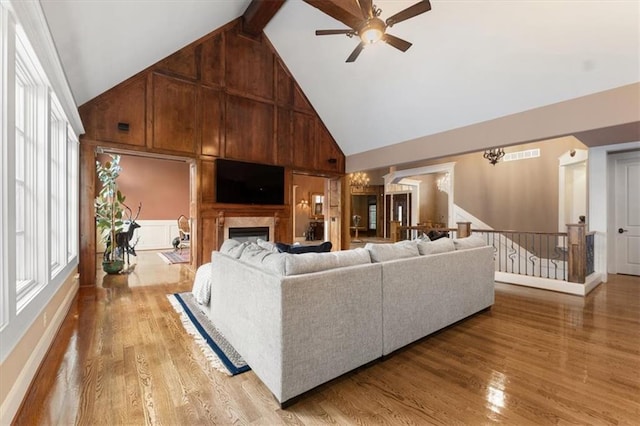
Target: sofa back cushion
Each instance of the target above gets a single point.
(441, 245)
(472, 241)
(315, 262)
(400, 250)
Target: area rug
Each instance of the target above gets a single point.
(222, 356)
(178, 256)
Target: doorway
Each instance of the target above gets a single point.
(141, 176)
(429, 196)
(572, 188)
(309, 209)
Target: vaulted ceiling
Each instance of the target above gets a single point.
(472, 62)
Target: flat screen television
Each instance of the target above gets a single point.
(238, 182)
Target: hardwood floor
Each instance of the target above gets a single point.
(537, 357)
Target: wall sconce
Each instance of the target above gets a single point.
(494, 155)
(303, 204)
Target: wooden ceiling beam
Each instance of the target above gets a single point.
(258, 14)
(346, 11)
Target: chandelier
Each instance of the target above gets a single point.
(359, 179)
(494, 155)
(443, 183)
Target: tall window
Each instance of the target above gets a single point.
(57, 187)
(26, 122)
(72, 194)
(45, 153)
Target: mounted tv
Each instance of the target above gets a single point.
(238, 182)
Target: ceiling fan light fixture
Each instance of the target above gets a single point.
(372, 31)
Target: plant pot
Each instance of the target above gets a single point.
(112, 266)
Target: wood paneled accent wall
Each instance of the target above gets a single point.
(226, 95)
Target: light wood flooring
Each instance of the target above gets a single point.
(537, 357)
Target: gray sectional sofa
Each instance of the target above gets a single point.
(300, 320)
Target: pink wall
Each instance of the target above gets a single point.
(161, 185)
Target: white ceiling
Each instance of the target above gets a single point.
(471, 60)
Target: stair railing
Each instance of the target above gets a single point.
(565, 256)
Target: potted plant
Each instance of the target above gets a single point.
(109, 205)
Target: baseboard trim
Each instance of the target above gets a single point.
(576, 289)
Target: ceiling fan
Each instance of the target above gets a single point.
(373, 29)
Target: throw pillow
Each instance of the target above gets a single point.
(422, 237)
(441, 245)
(251, 251)
(282, 247)
(267, 245)
(399, 250)
(228, 245)
(436, 235)
(320, 248)
(264, 259)
(233, 248)
(472, 241)
(298, 248)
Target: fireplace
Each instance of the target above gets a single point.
(245, 228)
(250, 233)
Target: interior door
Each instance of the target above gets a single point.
(627, 205)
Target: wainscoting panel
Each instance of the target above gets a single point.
(152, 235)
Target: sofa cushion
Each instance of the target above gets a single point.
(306, 263)
(399, 250)
(233, 248)
(472, 241)
(441, 245)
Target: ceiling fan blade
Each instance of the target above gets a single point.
(367, 8)
(344, 12)
(396, 42)
(410, 12)
(332, 32)
(355, 52)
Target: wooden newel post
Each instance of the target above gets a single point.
(464, 229)
(576, 244)
(395, 224)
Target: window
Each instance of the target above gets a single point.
(43, 182)
(372, 217)
(72, 195)
(57, 188)
(29, 131)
